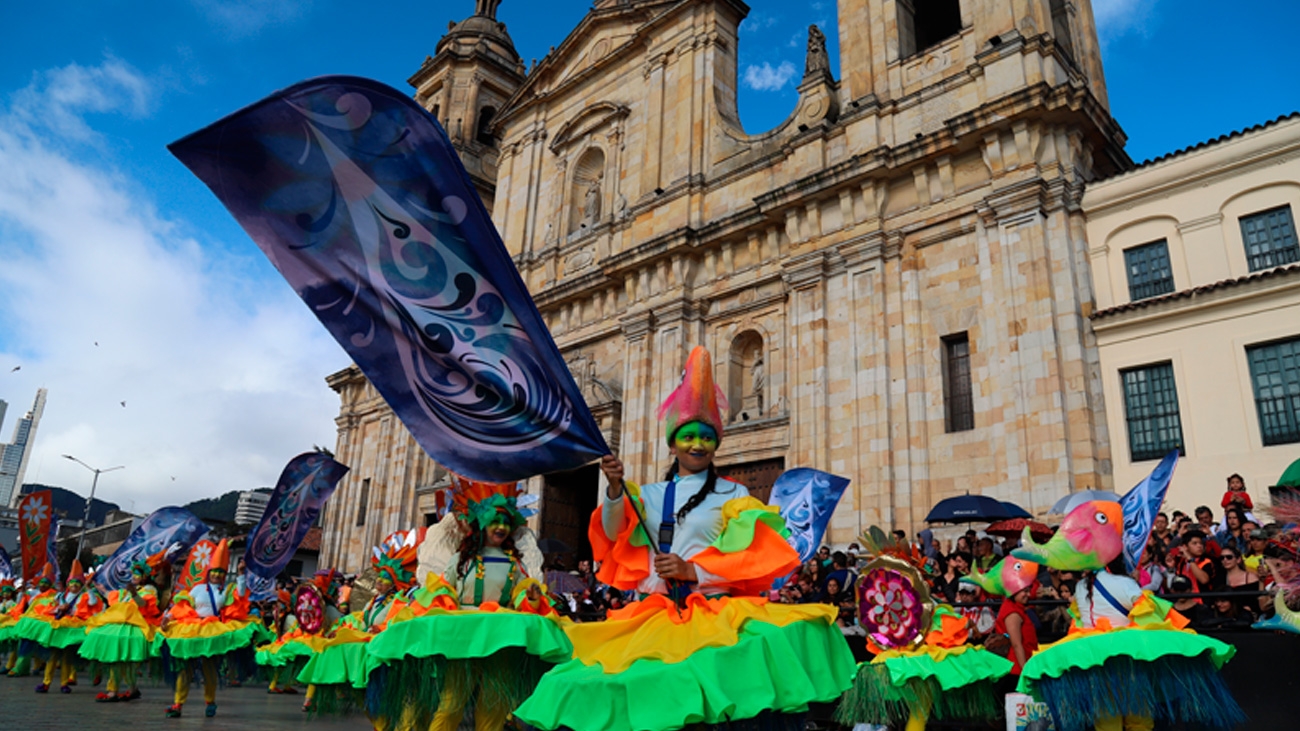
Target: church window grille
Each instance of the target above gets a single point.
(1270, 238)
(959, 408)
(1275, 371)
(484, 134)
(364, 503)
(1151, 410)
(1149, 273)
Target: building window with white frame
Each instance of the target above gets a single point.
(1151, 410)
(1275, 375)
(1149, 273)
(1270, 238)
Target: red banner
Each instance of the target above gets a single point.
(34, 513)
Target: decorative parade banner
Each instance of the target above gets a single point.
(52, 548)
(176, 529)
(295, 504)
(196, 565)
(6, 564)
(807, 497)
(1141, 505)
(360, 201)
(35, 510)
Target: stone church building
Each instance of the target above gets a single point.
(893, 283)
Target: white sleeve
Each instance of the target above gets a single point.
(611, 514)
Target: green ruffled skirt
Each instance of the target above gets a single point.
(120, 643)
(957, 688)
(191, 648)
(47, 635)
(411, 662)
(769, 669)
(1171, 676)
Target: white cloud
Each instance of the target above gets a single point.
(1116, 18)
(757, 22)
(220, 365)
(768, 78)
(247, 17)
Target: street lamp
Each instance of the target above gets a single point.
(85, 519)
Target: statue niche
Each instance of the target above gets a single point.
(587, 193)
(747, 377)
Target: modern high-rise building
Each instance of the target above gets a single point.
(252, 503)
(14, 455)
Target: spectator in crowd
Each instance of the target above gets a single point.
(1151, 567)
(946, 583)
(1055, 619)
(808, 593)
(981, 618)
(815, 570)
(1237, 578)
(929, 548)
(833, 591)
(1195, 565)
(1231, 536)
(963, 546)
(614, 599)
(824, 555)
(1228, 614)
(852, 554)
(984, 558)
(1236, 493)
(585, 572)
(1205, 523)
(1160, 532)
(1189, 606)
(841, 571)
(1257, 540)
(1172, 562)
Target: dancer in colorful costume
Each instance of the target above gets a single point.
(703, 645)
(1129, 660)
(336, 675)
(306, 616)
(33, 623)
(205, 625)
(126, 634)
(12, 605)
(60, 627)
(479, 629)
(924, 666)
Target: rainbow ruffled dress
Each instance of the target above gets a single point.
(10, 612)
(293, 649)
(433, 645)
(193, 635)
(127, 632)
(944, 678)
(338, 664)
(39, 626)
(657, 665)
(1153, 668)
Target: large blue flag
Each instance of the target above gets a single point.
(174, 528)
(6, 565)
(306, 483)
(359, 199)
(1141, 505)
(807, 497)
(52, 547)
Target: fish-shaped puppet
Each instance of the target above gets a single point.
(1007, 577)
(1091, 536)
(1286, 619)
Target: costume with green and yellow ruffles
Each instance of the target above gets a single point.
(190, 636)
(127, 631)
(655, 665)
(1153, 668)
(337, 664)
(943, 678)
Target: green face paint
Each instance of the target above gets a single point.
(696, 436)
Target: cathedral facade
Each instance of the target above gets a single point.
(893, 283)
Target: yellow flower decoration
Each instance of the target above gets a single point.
(734, 507)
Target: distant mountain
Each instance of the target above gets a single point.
(72, 505)
(217, 509)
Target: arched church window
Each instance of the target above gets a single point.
(484, 134)
(747, 377)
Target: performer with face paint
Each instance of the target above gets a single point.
(481, 625)
(126, 634)
(1128, 661)
(206, 625)
(10, 611)
(703, 645)
(33, 622)
(62, 630)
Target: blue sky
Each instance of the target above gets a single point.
(105, 238)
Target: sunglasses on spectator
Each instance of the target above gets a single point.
(1227, 557)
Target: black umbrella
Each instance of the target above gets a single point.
(553, 545)
(1015, 511)
(968, 509)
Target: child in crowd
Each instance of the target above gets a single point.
(1236, 493)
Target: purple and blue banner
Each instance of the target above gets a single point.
(295, 504)
(6, 565)
(1141, 505)
(807, 497)
(355, 194)
(176, 529)
(52, 547)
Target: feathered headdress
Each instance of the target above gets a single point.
(483, 503)
(697, 398)
(324, 579)
(148, 566)
(875, 542)
(7, 583)
(395, 558)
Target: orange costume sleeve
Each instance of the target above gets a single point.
(751, 552)
(624, 561)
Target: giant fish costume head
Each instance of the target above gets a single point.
(1091, 536)
(1009, 576)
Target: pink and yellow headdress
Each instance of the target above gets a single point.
(483, 503)
(396, 558)
(697, 398)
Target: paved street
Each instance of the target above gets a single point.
(243, 709)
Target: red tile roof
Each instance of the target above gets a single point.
(1204, 289)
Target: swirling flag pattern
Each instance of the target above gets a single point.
(1141, 505)
(807, 497)
(165, 527)
(295, 504)
(360, 201)
(6, 565)
(52, 548)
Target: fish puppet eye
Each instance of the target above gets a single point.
(1017, 566)
(1101, 518)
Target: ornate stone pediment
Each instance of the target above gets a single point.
(590, 119)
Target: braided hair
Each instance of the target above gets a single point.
(710, 483)
(472, 544)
